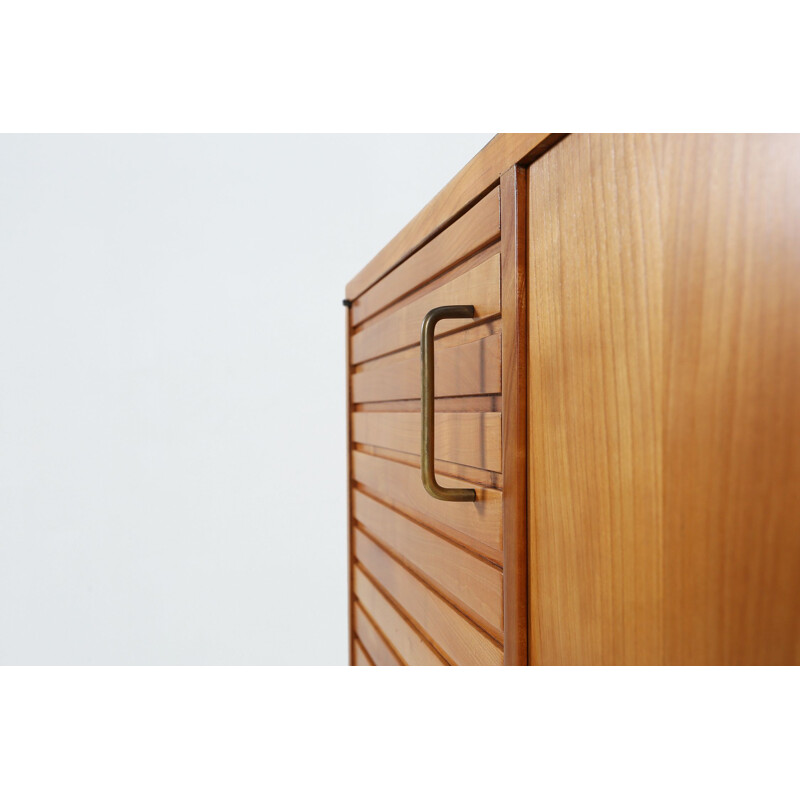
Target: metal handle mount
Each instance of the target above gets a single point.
(428, 393)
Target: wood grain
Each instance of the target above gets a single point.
(514, 260)
(732, 399)
(479, 175)
(475, 525)
(474, 230)
(596, 342)
(481, 477)
(470, 583)
(409, 644)
(458, 639)
(472, 368)
(479, 287)
(373, 641)
(467, 438)
(664, 377)
(360, 657)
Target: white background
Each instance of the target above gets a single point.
(172, 395)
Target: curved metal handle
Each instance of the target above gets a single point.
(426, 340)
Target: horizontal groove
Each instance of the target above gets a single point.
(415, 345)
(431, 236)
(466, 439)
(378, 405)
(398, 327)
(427, 584)
(442, 279)
(474, 475)
(463, 540)
(428, 526)
(430, 279)
(485, 403)
(386, 640)
(478, 524)
(436, 587)
(413, 624)
(445, 340)
(358, 641)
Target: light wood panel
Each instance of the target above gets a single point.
(472, 368)
(664, 388)
(455, 636)
(479, 287)
(464, 438)
(405, 639)
(373, 640)
(732, 398)
(596, 272)
(360, 657)
(469, 582)
(481, 477)
(460, 193)
(477, 525)
(475, 229)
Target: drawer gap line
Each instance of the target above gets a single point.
(380, 633)
(430, 279)
(437, 648)
(432, 235)
(427, 526)
(395, 604)
(425, 581)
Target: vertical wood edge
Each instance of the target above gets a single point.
(350, 549)
(513, 255)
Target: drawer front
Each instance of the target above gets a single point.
(398, 327)
(471, 438)
(427, 575)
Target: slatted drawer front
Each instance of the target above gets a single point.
(427, 575)
(399, 326)
(467, 364)
(469, 438)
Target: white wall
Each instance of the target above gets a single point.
(172, 429)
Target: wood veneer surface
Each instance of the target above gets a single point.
(664, 376)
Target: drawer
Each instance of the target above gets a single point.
(472, 232)
(398, 327)
(451, 634)
(427, 579)
(476, 525)
(467, 365)
(470, 438)
(428, 570)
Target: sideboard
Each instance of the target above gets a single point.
(574, 409)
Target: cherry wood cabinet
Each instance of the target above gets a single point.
(623, 402)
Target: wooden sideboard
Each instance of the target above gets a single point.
(619, 394)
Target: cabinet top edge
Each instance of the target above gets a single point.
(482, 172)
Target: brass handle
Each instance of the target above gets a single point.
(426, 340)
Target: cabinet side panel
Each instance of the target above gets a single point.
(732, 412)
(595, 424)
(665, 400)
